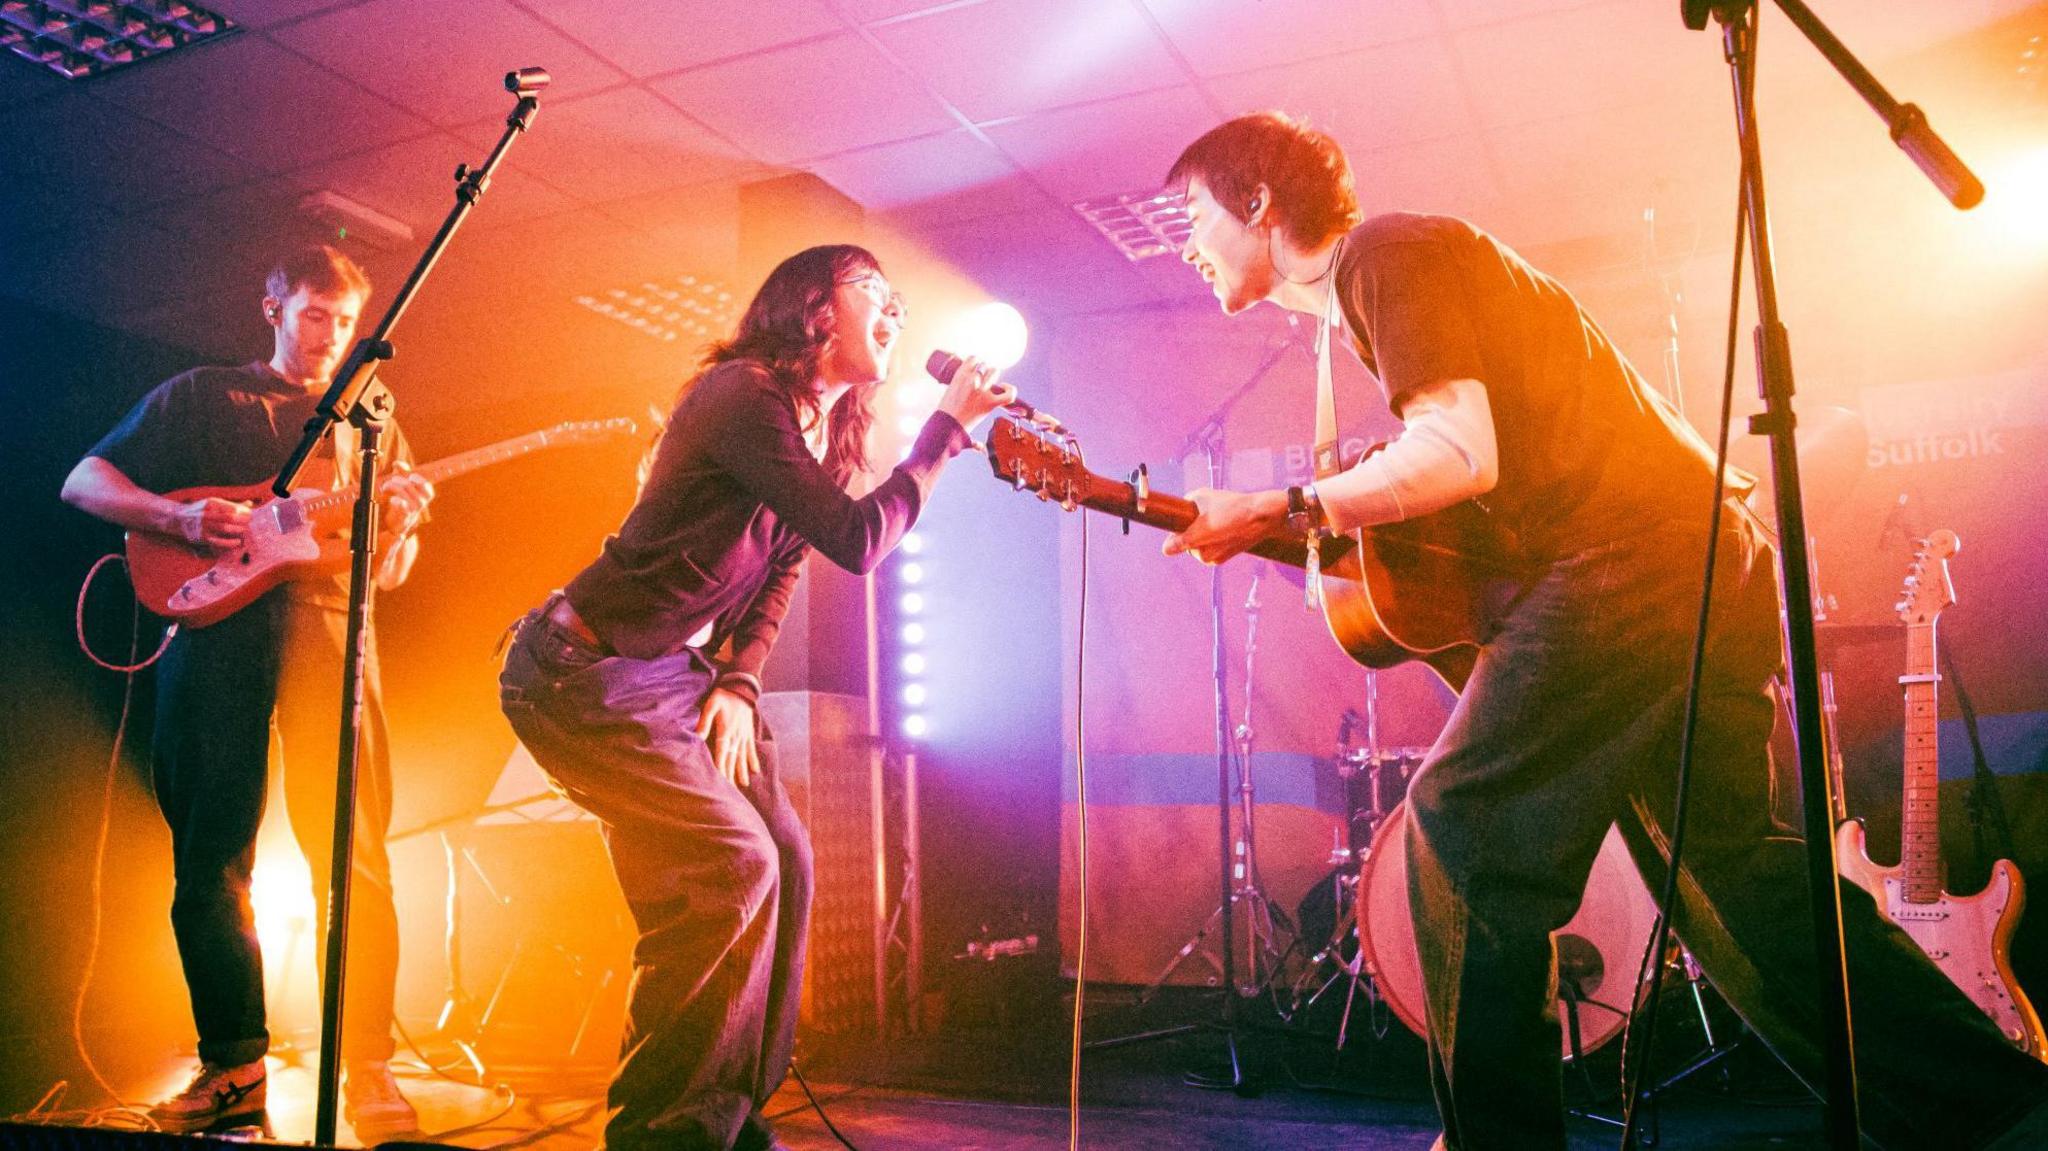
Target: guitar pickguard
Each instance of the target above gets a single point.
(1964, 936)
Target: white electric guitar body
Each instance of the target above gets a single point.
(1969, 937)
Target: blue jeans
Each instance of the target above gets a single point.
(718, 879)
(1570, 724)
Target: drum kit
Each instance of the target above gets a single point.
(1359, 913)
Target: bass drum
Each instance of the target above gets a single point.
(1600, 950)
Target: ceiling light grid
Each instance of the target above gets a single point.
(80, 38)
(1140, 224)
(689, 307)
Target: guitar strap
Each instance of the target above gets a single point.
(1327, 462)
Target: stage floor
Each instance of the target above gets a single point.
(1003, 1084)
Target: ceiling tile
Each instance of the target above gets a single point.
(449, 69)
(270, 13)
(1011, 56)
(956, 168)
(618, 143)
(20, 82)
(1044, 262)
(251, 98)
(651, 37)
(1121, 145)
(1374, 98)
(414, 181)
(86, 150)
(1222, 36)
(1475, 13)
(867, 11)
(1612, 55)
(808, 100)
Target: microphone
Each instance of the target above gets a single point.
(527, 81)
(944, 365)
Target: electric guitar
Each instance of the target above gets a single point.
(1967, 936)
(300, 536)
(1413, 590)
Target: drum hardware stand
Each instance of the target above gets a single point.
(1236, 863)
(1713, 1053)
(461, 1021)
(1349, 856)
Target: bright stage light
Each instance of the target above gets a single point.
(912, 573)
(281, 892)
(995, 331)
(911, 603)
(913, 633)
(909, 424)
(914, 726)
(915, 694)
(913, 664)
(913, 544)
(2016, 202)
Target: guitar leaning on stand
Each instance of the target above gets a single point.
(300, 536)
(1967, 936)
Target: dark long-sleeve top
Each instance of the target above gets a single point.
(733, 504)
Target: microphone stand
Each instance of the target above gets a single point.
(357, 397)
(1909, 129)
(1208, 438)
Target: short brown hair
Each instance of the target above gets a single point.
(321, 267)
(1306, 170)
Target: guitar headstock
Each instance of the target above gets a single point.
(591, 431)
(1928, 590)
(1031, 460)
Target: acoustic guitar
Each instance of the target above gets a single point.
(1414, 590)
(1968, 936)
(300, 536)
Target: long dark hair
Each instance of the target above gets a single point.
(787, 329)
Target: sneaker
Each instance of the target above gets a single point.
(215, 1093)
(372, 1102)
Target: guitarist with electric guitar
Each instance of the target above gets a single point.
(219, 686)
(1577, 503)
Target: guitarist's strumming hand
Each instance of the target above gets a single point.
(213, 523)
(1229, 523)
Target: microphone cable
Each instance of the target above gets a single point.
(1635, 1054)
(1080, 841)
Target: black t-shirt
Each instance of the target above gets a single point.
(1589, 452)
(226, 427)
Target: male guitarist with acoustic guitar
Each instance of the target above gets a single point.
(1574, 682)
(218, 687)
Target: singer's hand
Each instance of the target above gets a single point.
(977, 389)
(1229, 523)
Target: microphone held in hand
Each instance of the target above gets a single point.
(944, 365)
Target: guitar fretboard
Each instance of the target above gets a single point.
(1920, 819)
(448, 467)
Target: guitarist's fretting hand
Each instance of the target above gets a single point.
(406, 495)
(213, 523)
(1229, 523)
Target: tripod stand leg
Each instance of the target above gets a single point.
(1187, 949)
